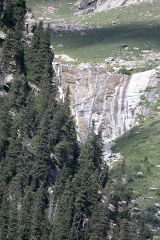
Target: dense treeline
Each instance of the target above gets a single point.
(51, 187)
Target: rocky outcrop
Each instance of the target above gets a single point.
(111, 100)
(64, 27)
(103, 5)
(6, 76)
(29, 25)
(83, 4)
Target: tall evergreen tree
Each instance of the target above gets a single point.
(4, 216)
(14, 13)
(39, 56)
(18, 93)
(39, 229)
(99, 224)
(86, 183)
(5, 126)
(62, 221)
(124, 230)
(42, 160)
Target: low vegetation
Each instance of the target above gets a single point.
(114, 30)
(141, 164)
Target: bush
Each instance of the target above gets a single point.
(125, 71)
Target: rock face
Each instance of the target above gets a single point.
(83, 4)
(29, 25)
(6, 76)
(103, 5)
(111, 100)
(64, 27)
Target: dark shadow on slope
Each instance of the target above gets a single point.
(136, 32)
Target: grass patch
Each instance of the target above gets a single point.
(140, 32)
(141, 150)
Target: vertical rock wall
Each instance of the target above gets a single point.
(111, 100)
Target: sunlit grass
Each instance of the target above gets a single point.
(136, 26)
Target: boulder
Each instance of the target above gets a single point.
(153, 189)
(140, 174)
(2, 35)
(83, 4)
(30, 25)
(136, 209)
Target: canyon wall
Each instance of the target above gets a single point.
(111, 100)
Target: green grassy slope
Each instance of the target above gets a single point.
(141, 151)
(45, 8)
(136, 26)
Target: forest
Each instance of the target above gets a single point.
(52, 187)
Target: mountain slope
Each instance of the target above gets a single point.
(53, 185)
(95, 37)
(141, 162)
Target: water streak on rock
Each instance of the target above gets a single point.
(111, 100)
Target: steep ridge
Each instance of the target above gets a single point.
(111, 100)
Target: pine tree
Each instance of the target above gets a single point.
(42, 160)
(93, 150)
(28, 118)
(63, 214)
(86, 190)
(4, 216)
(104, 175)
(14, 13)
(5, 126)
(86, 183)
(124, 230)
(10, 163)
(39, 228)
(39, 56)
(99, 224)
(13, 50)
(63, 137)
(25, 215)
(18, 93)
(13, 222)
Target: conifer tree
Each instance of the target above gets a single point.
(14, 13)
(26, 213)
(64, 138)
(39, 229)
(5, 126)
(13, 156)
(39, 56)
(13, 222)
(42, 161)
(4, 216)
(18, 92)
(86, 184)
(28, 117)
(124, 230)
(64, 213)
(99, 224)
